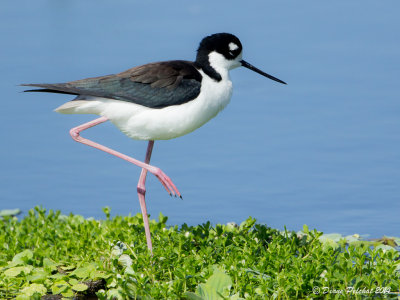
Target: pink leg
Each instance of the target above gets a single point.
(164, 179)
(141, 189)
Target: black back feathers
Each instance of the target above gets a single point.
(154, 85)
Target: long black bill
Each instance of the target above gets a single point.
(253, 68)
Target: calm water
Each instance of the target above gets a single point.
(323, 150)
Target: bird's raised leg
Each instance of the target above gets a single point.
(162, 177)
(141, 189)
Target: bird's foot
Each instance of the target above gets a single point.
(166, 182)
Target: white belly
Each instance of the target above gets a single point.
(143, 123)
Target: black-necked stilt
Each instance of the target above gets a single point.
(157, 101)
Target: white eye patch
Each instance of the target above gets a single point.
(233, 46)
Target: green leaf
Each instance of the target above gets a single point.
(247, 224)
(162, 219)
(231, 226)
(59, 287)
(107, 211)
(219, 281)
(15, 271)
(68, 268)
(218, 284)
(23, 297)
(68, 293)
(80, 287)
(193, 296)
(115, 294)
(58, 276)
(84, 272)
(235, 297)
(34, 288)
(129, 271)
(99, 274)
(206, 293)
(22, 257)
(50, 264)
(125, 260)
(37, 275)
(330, 244)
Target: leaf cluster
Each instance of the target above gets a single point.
(50, 253)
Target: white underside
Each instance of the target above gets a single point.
(143, 123)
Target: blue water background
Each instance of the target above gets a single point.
(323, 150)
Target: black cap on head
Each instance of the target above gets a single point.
(225, 43)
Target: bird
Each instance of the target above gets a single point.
(156, 101)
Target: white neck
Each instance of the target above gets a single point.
(222, 65)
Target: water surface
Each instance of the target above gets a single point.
(323, 150)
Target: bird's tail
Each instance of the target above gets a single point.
(60, 88)
(70, 107)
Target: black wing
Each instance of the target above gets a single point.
(154, 85)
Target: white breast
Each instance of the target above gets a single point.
(143, 123)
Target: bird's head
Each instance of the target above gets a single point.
(224, 51)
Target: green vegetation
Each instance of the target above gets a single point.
(76, 257)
